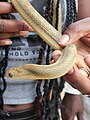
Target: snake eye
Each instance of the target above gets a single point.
(10, 74)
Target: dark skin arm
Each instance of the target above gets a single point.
(71, 101)
(83, 9)
(79, 34)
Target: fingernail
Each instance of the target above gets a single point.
(31, 29)
(8, 42)
(64, 39)
(87, 58)
(24, 33)
(56, 52)
(52, 61)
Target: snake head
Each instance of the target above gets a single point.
(13, 72)
(19, 72)
(16, 73)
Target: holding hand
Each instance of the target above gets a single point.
(11, 28)
(79, 34)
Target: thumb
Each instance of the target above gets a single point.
(70, 36)
(56, 54)
(75, 31)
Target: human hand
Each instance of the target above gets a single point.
(11, 28)
(72, 106)
(79, 34)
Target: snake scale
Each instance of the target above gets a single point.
(50, 35)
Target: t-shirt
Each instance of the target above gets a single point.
(25, 50)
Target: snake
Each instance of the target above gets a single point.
(51, 36)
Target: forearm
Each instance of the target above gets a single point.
(83, 9)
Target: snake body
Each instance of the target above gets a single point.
(50, 35)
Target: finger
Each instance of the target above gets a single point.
(6, 7)
(86, 39)
(14, 26)
(82, 66)
(84, 72)
(70, 36)
(13, 34)
(5, 42)
(80, 62)
(75, 31)
(87, 60)
(56, 54)
(79, 81)
(52, 61)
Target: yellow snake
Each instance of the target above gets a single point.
(50, 35)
